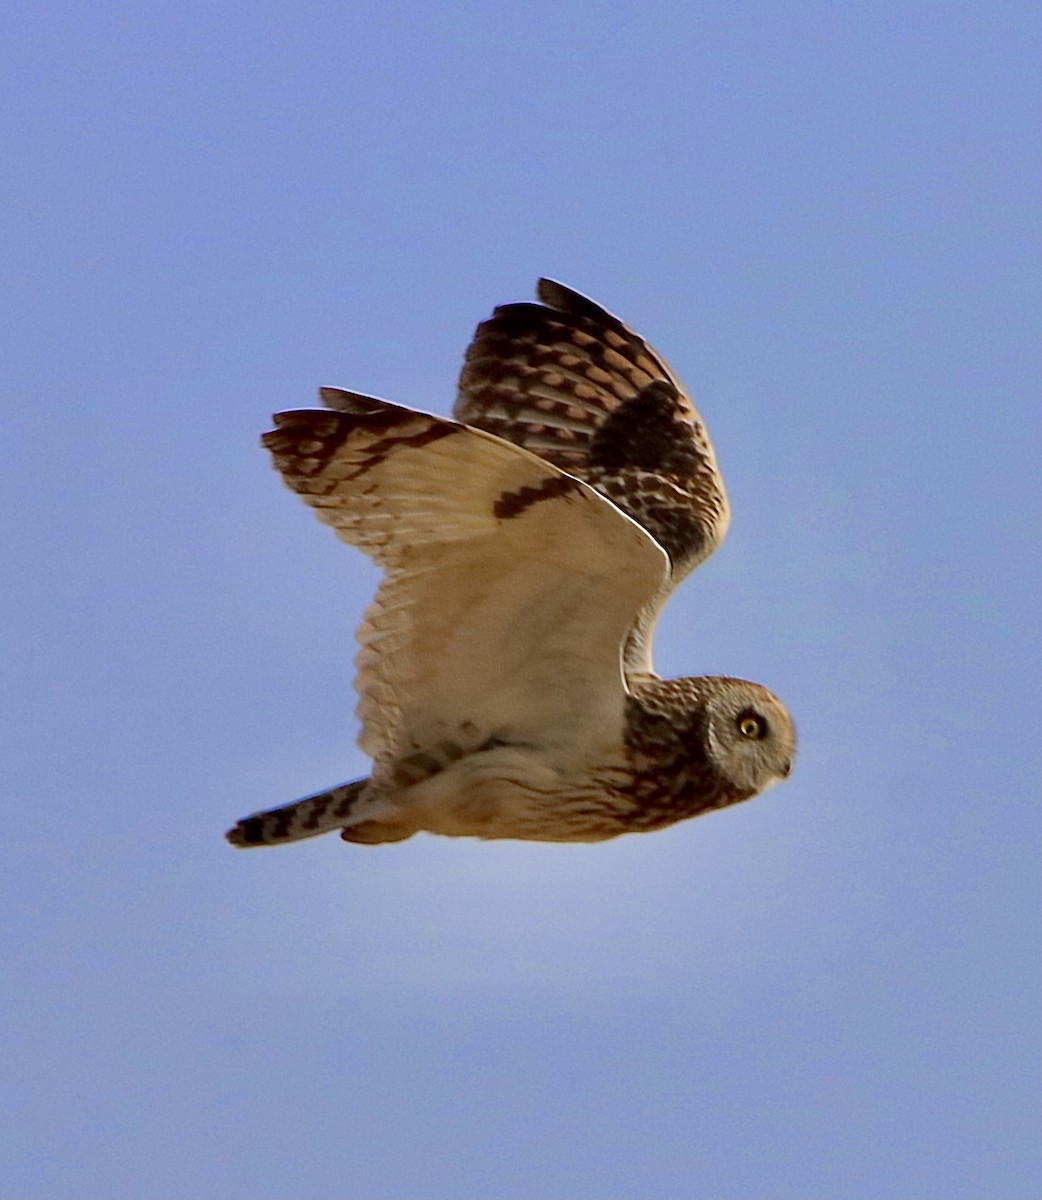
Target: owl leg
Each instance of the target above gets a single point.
(374, 833)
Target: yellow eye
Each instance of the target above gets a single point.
(752, 726)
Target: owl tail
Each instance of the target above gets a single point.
(301, 819)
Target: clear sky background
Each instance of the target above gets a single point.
(826, 216)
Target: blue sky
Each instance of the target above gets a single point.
(826, 217)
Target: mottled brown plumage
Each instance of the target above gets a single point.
(569, 381)
(526, 549)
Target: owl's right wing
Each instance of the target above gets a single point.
(508, 589)
(568, 380)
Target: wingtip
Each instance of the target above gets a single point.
(563, 298)
(356, 403)
(552, 292)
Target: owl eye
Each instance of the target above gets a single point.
(752, 725)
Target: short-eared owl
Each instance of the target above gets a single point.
(505, 682)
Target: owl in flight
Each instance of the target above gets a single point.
(505, 681)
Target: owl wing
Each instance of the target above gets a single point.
(508, 587)
(569, 381)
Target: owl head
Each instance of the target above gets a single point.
(748, 735)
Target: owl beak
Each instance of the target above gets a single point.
(786, 768)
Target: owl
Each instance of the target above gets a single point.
(504, 676)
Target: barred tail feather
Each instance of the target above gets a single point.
(301, 819)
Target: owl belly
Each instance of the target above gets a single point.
(513, 792)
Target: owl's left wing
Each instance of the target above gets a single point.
(569, 381)
(508, 588)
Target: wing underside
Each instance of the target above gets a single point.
(509, 585)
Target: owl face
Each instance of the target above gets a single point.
(749, 737)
